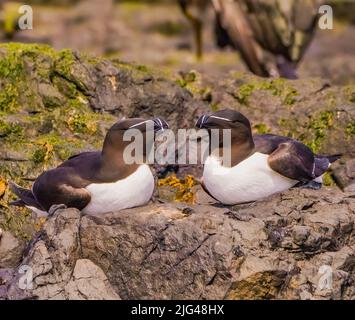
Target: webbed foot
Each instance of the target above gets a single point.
(313, 185)
(56, 207)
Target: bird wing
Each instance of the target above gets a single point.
(290, 157)
(283, 27)
(271, 35)
(268, 143)
(61, 186)
(78, 155)
(233, 19)
(294, 160)
(285, 149)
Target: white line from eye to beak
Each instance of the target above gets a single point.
(161, 124)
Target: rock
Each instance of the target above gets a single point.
(57, 271)
(6, 276)
(163, 251)
(344, 175)
(11, 249)
(253, 272)
(89, 283)
(50, 95)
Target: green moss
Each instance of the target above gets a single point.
(349, 92)
(52, 145)
(42, 154)
(143, 68)
(80, 123)
(11, 66)
(137, 71)
(280, 88)
(244, 92)
(282, 122)
(350, 128)
(290, 96)
(314, 133)
(64, 62)
(15, 61)
(274, 86)
(192, 82)
(261, 128)
(328, 180)
(11, 131)
(9, 98)
(21, 224)
(277, 87)
(214, 107)
(66, 88)
(186, 78)
(319, 126)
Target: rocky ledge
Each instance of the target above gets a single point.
(296, 245)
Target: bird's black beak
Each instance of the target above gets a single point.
(201, 122)
(160, 124)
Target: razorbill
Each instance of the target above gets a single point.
(95, 182)
(260, 165)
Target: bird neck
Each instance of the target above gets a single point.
(112, 157)
(241, 147)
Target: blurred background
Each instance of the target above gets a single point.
(180, 35)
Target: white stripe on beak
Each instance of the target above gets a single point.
(220, 118)
(138, 124)
(161, 125)
(202, 121)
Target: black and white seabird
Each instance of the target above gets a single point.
(260, 166)
(95, 182)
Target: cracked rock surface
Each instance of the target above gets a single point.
(295, 245)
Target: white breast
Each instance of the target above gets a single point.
(250, 180)
(133, 191)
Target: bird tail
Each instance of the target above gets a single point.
(17, 203)
(322, 163)
(334, 157)
(26, 197)
(331, 158)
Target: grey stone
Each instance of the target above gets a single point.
(11, 249)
